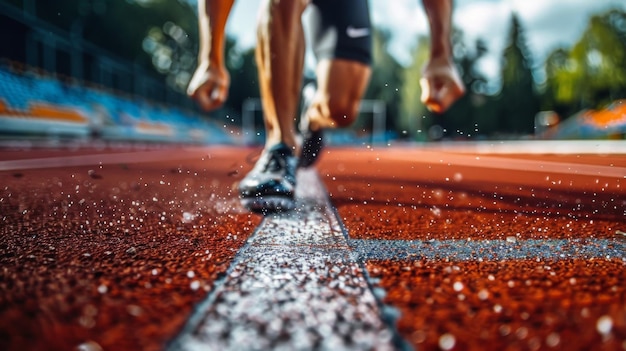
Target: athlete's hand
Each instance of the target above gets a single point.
(441, 85)
(209, 86)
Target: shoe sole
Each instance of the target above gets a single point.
(267, 204)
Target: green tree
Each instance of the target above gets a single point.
(558, 94)
(386, 81)
(518, 100)
(412, 120)
(591, 74)
(157, 35)
(602, 55)
(242, 67)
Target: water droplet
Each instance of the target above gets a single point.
(553, 339)
(521, 333)
(195, 285)
(188, 217)
(102, 289)
(436, 211)
(89, 346)
(134, 310)
(483, 294)
(447, 341)
(604, 325)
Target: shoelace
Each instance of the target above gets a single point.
(276, 161)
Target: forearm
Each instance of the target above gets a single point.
(439, 14)
(212, 17)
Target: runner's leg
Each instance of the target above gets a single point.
(280, 59)
(341, 39)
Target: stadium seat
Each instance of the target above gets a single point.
(42, 110)
(36, 103)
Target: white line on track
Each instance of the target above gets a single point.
(98, 159)
(462, 250)
(536, 147)
(294, 286)
(512, 164)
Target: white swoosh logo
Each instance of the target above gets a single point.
(357, 32)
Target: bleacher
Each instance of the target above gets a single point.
(35, 104)
(606, 123)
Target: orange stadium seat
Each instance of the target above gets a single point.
(154, 128)
(48, 111)
(616, 114)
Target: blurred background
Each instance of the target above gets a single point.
(117, 70)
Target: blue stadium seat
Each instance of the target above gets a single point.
(111, 115)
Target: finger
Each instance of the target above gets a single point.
(204, 99)
(213, 98)
(445, 97)
(452, 91)
(428, 97)
(195, 85)
(435, 107)
(425, 86)
(215, 94)
(220, 94)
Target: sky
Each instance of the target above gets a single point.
(549, 24)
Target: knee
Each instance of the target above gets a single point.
(343, 112)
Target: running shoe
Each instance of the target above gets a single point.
(270, 185)
(312, 141)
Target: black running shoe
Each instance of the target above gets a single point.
(270, 185)
(312, 141)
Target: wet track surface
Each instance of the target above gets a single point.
(464, 250)
(295, 286)
(117, 254)
(520, 252)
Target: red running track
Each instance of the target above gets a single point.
(113, 254)
(112, 251)
(456, 193)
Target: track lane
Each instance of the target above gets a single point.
(490, 250)
(110, 252)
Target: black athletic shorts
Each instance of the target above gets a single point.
(341, 29)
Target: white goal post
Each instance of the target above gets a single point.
(377, 108)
